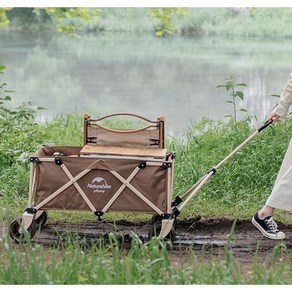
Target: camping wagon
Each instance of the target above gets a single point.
(125, 170)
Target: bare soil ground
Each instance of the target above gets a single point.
(201, 236)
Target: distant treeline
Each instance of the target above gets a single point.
(255, 22)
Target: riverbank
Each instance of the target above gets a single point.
(247, 22)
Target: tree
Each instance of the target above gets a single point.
(68, 19)
(4, 21)
(165, 15)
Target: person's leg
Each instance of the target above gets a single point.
(280, 198)
(265, 212)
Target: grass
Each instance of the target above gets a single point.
(238, 189)
(243, 183)
(154, 262)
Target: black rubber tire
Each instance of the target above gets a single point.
(41, 220)
(22, 237)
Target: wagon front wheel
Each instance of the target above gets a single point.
(19, 234)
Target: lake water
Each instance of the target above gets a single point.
(116, 72)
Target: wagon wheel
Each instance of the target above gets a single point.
(41, 220)
(25, 235)
(155, 229)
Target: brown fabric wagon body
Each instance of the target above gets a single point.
(115, 170)
(103, 177)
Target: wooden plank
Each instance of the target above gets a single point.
(127, 151)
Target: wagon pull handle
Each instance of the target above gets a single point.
(195, 188)
(267, 123)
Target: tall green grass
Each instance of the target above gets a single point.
(153, 262)
(243, 183)
(238, 188)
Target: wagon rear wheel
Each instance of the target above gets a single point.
(19, 234)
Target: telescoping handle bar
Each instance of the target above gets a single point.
(196, 187)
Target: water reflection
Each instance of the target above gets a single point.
(174, 77)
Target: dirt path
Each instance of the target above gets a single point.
(208, 236)
(197, 233)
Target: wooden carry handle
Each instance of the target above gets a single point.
(95, 124)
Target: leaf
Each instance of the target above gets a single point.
(159, 33)
(229, 101)
(240, 94)
(220, 85)
(243, 110)
(241, 84)
(2, 67)
(40, 108)
(229, 85)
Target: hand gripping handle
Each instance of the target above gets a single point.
(267, 123)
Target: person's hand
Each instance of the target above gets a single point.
(273, 116)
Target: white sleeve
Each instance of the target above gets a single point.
(285, 100)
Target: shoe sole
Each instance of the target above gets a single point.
(259, 227)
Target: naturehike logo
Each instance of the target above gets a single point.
(99, 185)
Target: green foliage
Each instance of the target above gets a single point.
(73, 20)
(69, 20)
(109, 262)
(19, 137)
(231, 87)
(4, 21)
(251, 22)
(17, 127)
(165, 16)
(243, 183)
(28, 18)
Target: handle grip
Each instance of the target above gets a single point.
(267, 123)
